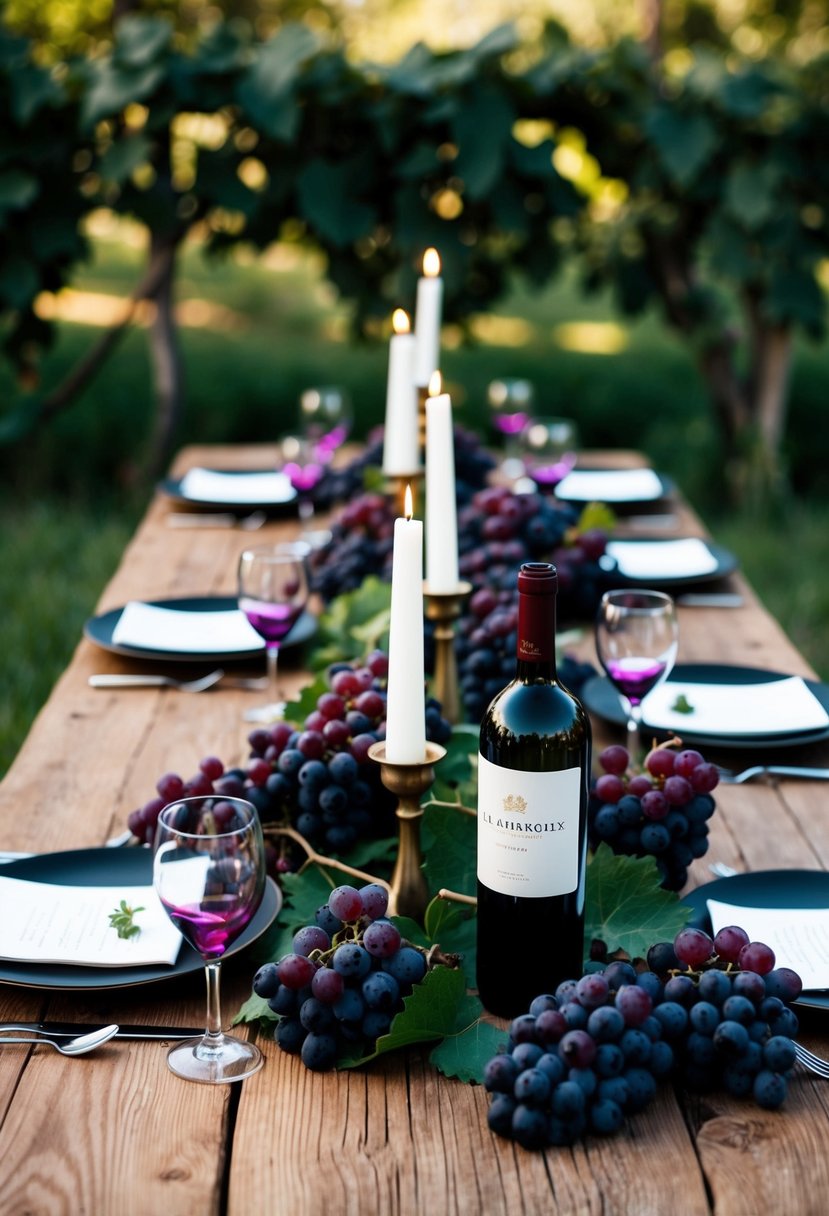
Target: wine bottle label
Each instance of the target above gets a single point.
(528, 830)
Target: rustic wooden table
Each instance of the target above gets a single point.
(116, 1133)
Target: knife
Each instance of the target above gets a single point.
(68, 1029)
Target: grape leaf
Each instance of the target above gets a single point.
(449, 845)
(299, 709)
(366, 852)
(626, 907)
(464, 1053)
(353, 623)
(455, 929)
(430, 1012)
(255, 1009)
(412, 931)
(456, 775)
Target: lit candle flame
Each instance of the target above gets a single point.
(400, 321)
(435, 384)
(431, 263)
(408, 505)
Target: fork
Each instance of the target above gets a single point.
(809, 1060)
(114, 680)
(772, 770)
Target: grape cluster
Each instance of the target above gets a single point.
(726, 1009)
(345, 979)
(362, 540)
(661, 812)
(582, 1059)
(317, 777)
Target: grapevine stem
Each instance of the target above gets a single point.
(452, 806)
(330, 863)
(457, 898)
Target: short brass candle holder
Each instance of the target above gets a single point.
(408, 782)
(399, 482)
(444, 608)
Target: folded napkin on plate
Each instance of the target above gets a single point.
(51, 923)
(212, 485)
(799, 937)
(775, 707)
(610, 485)
(180, 631)
(686, 558)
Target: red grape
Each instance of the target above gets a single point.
(729, 942)
(614, 759)
(640, 785)
(371, 704)
(655, 805)
(170, 787)
(346, 903)
(345, 684)
(678, 791)
(693, 947)
(336, 733)
(330, 705)
(212, 767)
(704, 778)
(312, 744)
(259, 771)
(660, 762)
(609, 787)
(686, 762)
(756, 956)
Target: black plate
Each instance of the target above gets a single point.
(726, 561)
(766, 889)
(104, 868)
(666, 489)
(99, 629)
(172, 487)
(600, 697)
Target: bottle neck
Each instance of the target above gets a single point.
(536, 643)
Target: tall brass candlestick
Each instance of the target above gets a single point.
(422, 398)
(408, 783)
(444, 608)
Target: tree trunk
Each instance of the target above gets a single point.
(168, 371)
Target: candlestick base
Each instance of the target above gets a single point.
(444, 608)
(397, 489)
(408, 782)
(422, 398)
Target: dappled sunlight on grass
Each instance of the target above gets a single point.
(502, 331)
(95, 308)
(591, 337)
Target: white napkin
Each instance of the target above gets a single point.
(799, 937)
(211, 485)
(687, 558)
(181, 631)
(610, 485)
(50, 923)
(776, 707)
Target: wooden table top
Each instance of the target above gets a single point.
(116, 1133)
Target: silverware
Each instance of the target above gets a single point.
(809, 1060)
(113, 680)
(62, 1030)
(721, 869)
(77, 1045)
(722, 599)
(222, 519)
(772, 770)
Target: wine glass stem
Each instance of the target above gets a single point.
(273, 688)
(634, 721)
(212, 972)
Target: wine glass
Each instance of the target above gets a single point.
(548, 449)
(273, 591)
(209, 873)
(511, 402)
(325, 419)
(636, 640)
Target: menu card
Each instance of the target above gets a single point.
(52, 923)
(212, 485)
(773, 707)
(686, 558)
(174, 629)
(799, 937)
(610, 485)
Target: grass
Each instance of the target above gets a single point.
(71, 493)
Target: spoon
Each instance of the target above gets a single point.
(68, 1047)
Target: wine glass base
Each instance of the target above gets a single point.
(231, 1060)
(266, 714)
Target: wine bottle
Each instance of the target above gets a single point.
(533, 778)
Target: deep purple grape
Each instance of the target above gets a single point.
(729, 942)
(756, 956)
(693, 947)
(345, 903)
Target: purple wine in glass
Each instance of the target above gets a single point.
(636, 643)
(273, 591)
(209, 873)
